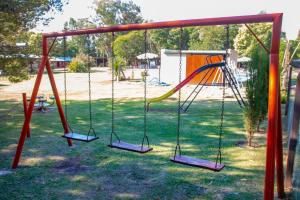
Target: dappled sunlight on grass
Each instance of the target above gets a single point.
(95, 171)
(75, 192)
(77, 178)
(184, 168)
(9, 148)
(127, 196)
(32, 161)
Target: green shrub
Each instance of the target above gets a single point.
(118, 64)
(80, 63)
(256, 92)
(283, 97)
(77, 66)
(16, 69)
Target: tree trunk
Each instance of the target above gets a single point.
(285, 66)
(258, 125)
(250, 137)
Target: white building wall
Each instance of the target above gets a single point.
(232, 59)
(169, 71)
(170, 63)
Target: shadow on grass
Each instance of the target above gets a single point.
(51, 169)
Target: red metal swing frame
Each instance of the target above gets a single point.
(274, 132)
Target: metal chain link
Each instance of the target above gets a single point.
(89, 85)
(65, 83)
(65, 78)
(113, 91)
(145, 82)
(179, 96)
(221, 131)
(219, 155)
(145, 90)
(112, 88)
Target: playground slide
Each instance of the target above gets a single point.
(185, 81)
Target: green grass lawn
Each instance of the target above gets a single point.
(49, 169)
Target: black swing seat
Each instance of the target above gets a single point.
(130, 147)
(196, 162)
(80, 137)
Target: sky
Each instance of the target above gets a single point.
(162, 10)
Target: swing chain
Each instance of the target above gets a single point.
(89, 79)
(65, 83)
(179, 96)
(65, 78)
(90, 90)
(113, 92)
(145, 91)
(219, 155)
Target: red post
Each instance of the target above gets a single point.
(57, 99)
(273, 110)
(29, 113)
(25, 107)
(44, 63)
(278, 153)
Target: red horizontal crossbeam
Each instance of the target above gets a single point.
(170, 24)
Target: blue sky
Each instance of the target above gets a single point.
(162, 10)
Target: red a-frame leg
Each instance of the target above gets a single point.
(25, 107)
(29, 113)
(44, 63)
(57, 100)
(278, 153)
(273, 134)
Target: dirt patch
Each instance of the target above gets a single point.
(190, 190)
(223, 193)
(241, 143)
(127, 179)
(244, 144)
(71, 165)
(261, 131)
(77, 86)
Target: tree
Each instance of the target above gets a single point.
(79, 44)
(18, 16)
(208, 38)
(244, 40)
(15, 69)
(81, 63)
(285, 60)
(256, 106)
(112, 12)
(257, 86)
(169, 38)
(128, 46)
(212, 37)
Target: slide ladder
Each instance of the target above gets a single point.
(185, 81)
(231, 81)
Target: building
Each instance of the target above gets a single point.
(59, 62)
(151, 58)
(192, 60)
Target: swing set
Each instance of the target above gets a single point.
(274, 133)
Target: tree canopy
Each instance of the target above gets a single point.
(112, 12)
(244, 41)
(17, 16)
(128, 46)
